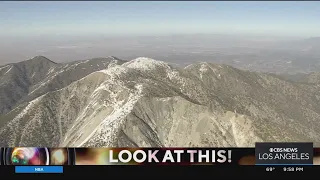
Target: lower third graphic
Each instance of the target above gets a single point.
(284, 153)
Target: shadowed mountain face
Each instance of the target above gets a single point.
(24, 81)
(148, 103)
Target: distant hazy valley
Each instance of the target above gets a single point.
(254, 53)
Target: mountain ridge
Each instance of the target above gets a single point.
(29, 79)
(148, 103)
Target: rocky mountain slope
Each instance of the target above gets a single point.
(311, 78)
(26, 80)
(146, 103)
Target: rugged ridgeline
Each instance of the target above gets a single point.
(312, 78)
(26, 80)
(146, 103)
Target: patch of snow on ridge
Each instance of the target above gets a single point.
(172, 74)
(203, 69)
(46, 81)
(189, 66)
(112, 63)
(175, 76)
(144, 63)
(8, 70)
(111, 57)
(4, 67)
(105, 130)
(139, 87)
(29, 106)
(51, 70)
(14, 124)
(207, 67)
(76, 64)
(114, 71)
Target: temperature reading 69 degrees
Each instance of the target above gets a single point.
(270, 169)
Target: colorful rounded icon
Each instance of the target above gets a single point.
(27, 156)
(59, 156)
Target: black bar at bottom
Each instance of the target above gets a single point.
(194, 171)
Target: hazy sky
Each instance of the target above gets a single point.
(65, 31)
(147, 18)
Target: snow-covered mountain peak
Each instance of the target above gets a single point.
(145, 63)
